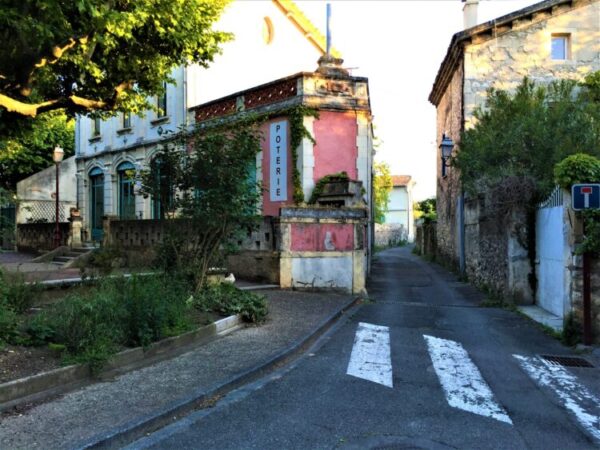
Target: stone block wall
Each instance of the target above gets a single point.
(39, 237)
(426, 239)
(390, 234)
(449, 122)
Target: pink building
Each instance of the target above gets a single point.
(315, 247)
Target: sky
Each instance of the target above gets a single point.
(399, 45)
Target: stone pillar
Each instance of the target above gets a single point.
(106, 223)
(75, 228)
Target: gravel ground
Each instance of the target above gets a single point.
(99, 408)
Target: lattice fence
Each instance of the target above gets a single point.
(45, 211)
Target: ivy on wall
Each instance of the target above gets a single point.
(298, 132)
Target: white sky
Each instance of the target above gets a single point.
(399, 45)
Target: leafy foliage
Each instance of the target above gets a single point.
(318, 189)
(211, 189)
(578, 168)
(298, 132)
(382, 188)
(27, 149)
(226, 299)
(523, 135)
(89, 55)
(426, 210)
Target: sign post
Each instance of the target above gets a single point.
(586, 197)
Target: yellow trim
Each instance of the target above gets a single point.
(306, 27)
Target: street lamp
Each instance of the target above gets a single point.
(446, 147)
(57, 156)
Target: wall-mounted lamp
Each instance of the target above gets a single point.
(446, 148)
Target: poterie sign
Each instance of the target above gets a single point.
(278, 168)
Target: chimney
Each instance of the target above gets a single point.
(470, 13)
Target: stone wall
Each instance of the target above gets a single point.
(426, 239)
(390, 234)
(256, 260)
(39, 237)
(449, 122)
(577, 293)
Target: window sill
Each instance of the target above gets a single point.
(95, 139)
(160, 120)
(127, 130)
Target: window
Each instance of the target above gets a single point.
(163, 184)
(268, 33)
(161, 102)
(96, 127)
(126, 120)
(561, 44)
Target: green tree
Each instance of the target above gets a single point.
(523, 135)
(426, 210)
(212, 198)
(382, 187)
(97, 55)
(31, 150)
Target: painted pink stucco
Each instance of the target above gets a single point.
(312, 237)
(335, 149)
(272, 208)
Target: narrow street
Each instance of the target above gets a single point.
(454, 375)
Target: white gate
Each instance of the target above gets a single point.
(553, 255)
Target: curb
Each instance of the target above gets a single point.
(43, 385)
(137, 428)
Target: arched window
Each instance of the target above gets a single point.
(96, 202)
(126, 174)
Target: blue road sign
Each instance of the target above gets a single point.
(585, 196)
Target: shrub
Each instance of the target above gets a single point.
(8, 325)
(226, 299)
(15, 293)
(578, 168)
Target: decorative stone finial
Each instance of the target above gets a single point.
(332, 67)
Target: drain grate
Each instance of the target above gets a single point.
(567, 361)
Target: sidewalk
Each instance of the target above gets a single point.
(22, 263)
(95, 413)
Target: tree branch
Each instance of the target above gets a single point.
(73, 101)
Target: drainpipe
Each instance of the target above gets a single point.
(461, 231)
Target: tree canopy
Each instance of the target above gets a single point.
(97, 55)
(382, 187)
(523, 135)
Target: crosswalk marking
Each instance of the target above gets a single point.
(575, 397)
(371, 357)
(462, 382)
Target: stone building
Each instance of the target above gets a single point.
(550, 40)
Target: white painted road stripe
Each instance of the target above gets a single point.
(463, 384)
(575, 397)
(371, 359)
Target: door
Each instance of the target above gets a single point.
(97, 203)
(126, 191)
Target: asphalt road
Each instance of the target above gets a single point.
(447, 379)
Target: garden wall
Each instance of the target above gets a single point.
(39, 237)
(390, 234)
(426, 239)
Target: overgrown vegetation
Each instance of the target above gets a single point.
(426, 210)
(212, 196)
(332, 178)
(90, 326)
(382, 188)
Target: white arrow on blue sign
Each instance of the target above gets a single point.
(585, 196)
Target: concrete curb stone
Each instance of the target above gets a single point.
(137, 428)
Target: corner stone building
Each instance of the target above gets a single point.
(550, 40)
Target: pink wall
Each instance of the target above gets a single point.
(310, 237)
(335, 149)
(272, 208)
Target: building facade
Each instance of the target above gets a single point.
(272, 39)
(550, 40)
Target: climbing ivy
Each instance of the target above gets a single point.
(318, 190)
(298, 132)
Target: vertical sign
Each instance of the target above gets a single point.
(278, 169)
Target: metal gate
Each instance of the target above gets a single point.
(552, 254)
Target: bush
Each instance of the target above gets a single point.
(8, 325)
(578, 168)
(226, 299)
(15, 293)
